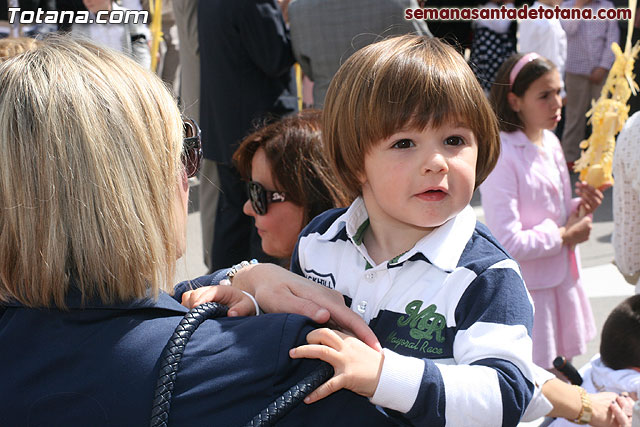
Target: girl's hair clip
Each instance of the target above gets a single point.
(520, 65)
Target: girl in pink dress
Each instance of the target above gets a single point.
(529, 209)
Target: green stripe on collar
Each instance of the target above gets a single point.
(357, 238)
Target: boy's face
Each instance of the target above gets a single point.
(420, 178)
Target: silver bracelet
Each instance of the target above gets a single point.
(234, 270)
(255, 303)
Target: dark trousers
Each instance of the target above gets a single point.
(235, 238)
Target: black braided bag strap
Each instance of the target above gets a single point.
(292, 397)
(170, 359)
(171, 355)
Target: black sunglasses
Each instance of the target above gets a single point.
(260, 198)
(191, 147)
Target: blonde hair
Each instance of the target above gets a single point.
(406, 81)
(12, 46)
(90, 148)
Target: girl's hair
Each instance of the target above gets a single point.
(402, 82)
(12, 46)
(90, 147)
(293, 147)
(508, 120)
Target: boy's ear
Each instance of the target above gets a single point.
(362, 176)
(514, 101)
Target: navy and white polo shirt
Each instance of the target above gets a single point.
(452, 314)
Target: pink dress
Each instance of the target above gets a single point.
(525, 199)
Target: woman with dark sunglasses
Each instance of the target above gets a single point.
(94, 161)
(288, 180)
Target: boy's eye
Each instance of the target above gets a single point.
(454, 140)
(404, 143)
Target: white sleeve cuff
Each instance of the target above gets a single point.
(399, 383)
(539, 405)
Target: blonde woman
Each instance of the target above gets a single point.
(94, 160)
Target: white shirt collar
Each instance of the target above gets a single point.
(442, 247)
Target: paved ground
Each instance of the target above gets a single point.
(604, 284)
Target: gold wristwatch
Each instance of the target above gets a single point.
(584, 417)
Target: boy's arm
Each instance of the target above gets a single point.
(489, 381)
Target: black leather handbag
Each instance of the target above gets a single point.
(170, 360)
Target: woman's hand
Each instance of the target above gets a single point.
(611, 410)
(356, 366)
(278, 290)
(239, 304)
(591, 197)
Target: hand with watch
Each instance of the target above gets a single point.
(574, 404)
(605, 409)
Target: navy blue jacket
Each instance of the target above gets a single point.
(97, 365)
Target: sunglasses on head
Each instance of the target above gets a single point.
(260, 198)
(191, 147)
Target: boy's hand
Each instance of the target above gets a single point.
(356, 366)
(280, 291)
(591, 197)
(239, 304)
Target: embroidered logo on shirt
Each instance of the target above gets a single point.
(425, 329)
(324, 279)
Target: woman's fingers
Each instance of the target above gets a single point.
(243, 308)
(625, 403)
(239, 304)
(341, 315)
(300, 305)
(619, 416)
(281, 291)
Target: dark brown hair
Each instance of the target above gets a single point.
(508, 120)
(620, 343)
(406, 81)
(293, 147)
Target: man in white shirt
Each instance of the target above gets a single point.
(544, 36)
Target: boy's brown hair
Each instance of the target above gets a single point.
(403, 82)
